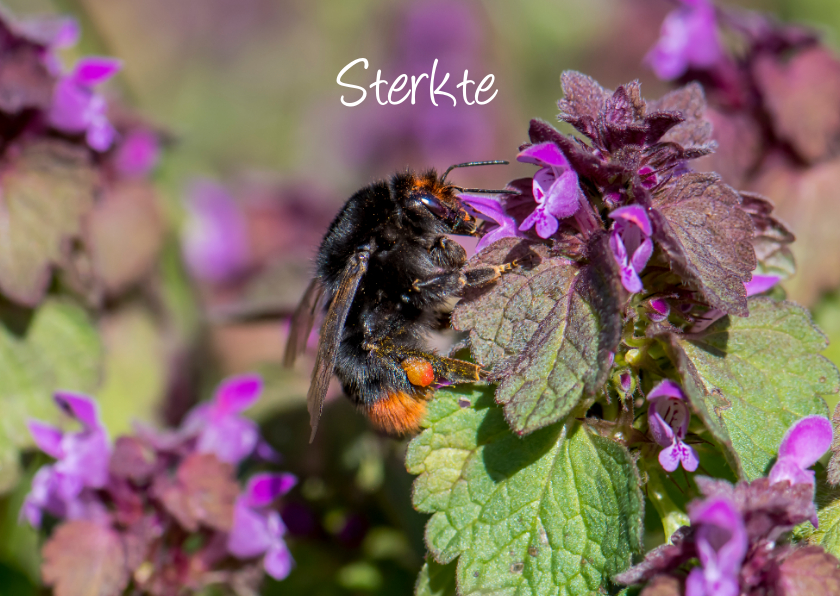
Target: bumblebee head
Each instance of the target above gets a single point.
(435, 203)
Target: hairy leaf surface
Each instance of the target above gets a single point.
(699, 223)
(554, 513)
(47, 188)
(436, 579)
(769, 370)
(568, 355)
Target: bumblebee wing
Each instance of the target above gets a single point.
(331, 334)
(302, 321)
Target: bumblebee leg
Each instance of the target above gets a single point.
(484, 275)
(423, 369)
(447, 253)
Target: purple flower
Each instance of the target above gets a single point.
(52, 32)
(721, 542)
(760, 284)
(631, 236)
(668, 418)
(259, 531)
(77, 108)
(138, 153)
(217, 425)
(803, 444)
(689, 39)
(555, 188)
(492, 210)
(658, 310)
(82, 463)
(215, 241)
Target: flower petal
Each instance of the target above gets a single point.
(564, 197)
(80, 406)
(760, 284)
(666, 388)
(47, 438)
(231, 438)
(634, 214)
(278, 561)
(236, 394)
(264, 488)
(249, 537)
(806, 441)
(94, 70)
(544, 154)
(642, 255)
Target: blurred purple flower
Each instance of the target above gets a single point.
(492, 210)
(82, 463)
(215, 241)
(52, 32)
(668, 418)
(761, 283)
(259, 531)
(631, 236)
(217, 425)
(803, 444)
(77, 108)
(721, 543)
(138, 153)
(689, 39)
(555, 188)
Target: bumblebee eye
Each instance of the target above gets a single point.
(433, 204)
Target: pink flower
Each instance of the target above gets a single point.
(217, 425)
(82, 463)
(760, 284)
(689, 39)
(803, 444)
(138, 153)
(668, 418)
(721, 546)
(259, 531)
(494, 211)
(215, 242)
(77, 108)
(555, 188)
(631, 244)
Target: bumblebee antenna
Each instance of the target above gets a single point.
(469, 164)
(485, 190)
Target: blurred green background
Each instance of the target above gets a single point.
(246, 91)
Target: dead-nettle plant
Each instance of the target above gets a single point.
(634, 351)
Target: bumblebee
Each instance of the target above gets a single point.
(385, 273)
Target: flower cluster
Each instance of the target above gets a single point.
(773, 102)
(633, 180)
(737, 532)
(168, 498)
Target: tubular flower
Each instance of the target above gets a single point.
(721, 546)
(631, 244)
(668, 418)
(803, 444)
(555, 188)
(689, 39)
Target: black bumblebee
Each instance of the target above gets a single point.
(385, 273)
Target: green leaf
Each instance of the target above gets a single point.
(59, 350)
(759, 374)
(557, 512)
(47, 189)
(548, 331)
(436, 579)
(827, 535)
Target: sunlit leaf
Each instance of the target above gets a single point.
(556, 512)
(762, 374)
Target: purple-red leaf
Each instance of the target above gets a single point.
(809, 571)
(707, 235)
(203, 492)
(803, 96)
(85, 558)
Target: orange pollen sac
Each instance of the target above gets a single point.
(398, 413)
(419, 371)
